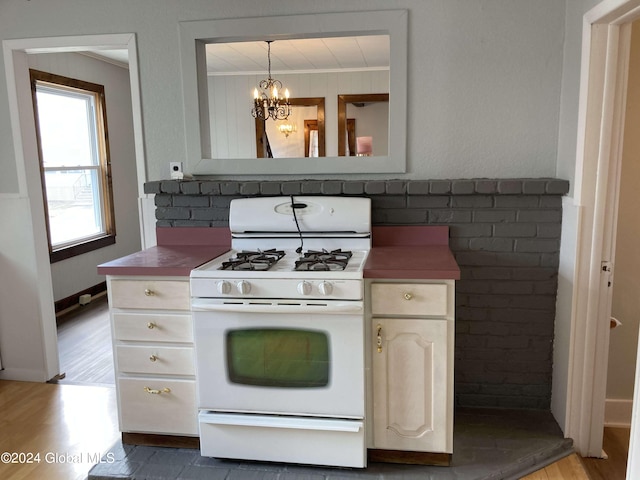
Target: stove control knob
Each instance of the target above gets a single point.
(325, 288)
(244, 287)
(304, 288)
(223, 287)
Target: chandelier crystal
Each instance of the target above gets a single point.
(267, 102)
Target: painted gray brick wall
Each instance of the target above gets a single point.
(505, 235)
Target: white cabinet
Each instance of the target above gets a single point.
(410, 404)
(154, 354)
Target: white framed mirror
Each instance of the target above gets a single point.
(201, 148)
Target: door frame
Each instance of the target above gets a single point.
(16, 53)
(603, 85)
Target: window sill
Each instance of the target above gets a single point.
(80, 248)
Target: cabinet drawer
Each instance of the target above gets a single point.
(147, 406)
(150, 294)
(409, 299)
(152, 328)
(156, 360)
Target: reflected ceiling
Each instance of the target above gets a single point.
(369, 52)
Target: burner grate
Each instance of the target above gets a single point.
(323, 260)
(253, 260)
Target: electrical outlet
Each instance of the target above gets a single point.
(176, 170)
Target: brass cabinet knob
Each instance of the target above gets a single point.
(408, 296)
(153, 358)
(151, 325)
(149, 293)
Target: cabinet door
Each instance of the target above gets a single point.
(410, 384)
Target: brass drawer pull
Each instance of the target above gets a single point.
(379, 339)
(151, 325)
(149, 293)
(153, 391)
(153, 358)
(408, 296)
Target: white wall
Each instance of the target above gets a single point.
(568, 121)
(20, 310)
(73, 275)
(483, 87)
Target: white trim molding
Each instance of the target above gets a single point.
(35, 257)
(617, 412)
(605, 58)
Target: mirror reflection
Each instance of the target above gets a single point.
(309, 68)
(302, 134)
(363, 125)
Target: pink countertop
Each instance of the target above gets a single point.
(179, 251)
(411, 252)
(162, 260)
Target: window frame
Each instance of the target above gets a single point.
(108, 237)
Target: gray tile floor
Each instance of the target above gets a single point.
(488, 445)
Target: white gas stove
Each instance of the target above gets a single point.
(279, 333)
(311, 254)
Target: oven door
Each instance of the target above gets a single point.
(279, 357)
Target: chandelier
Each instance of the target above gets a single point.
(267, 103)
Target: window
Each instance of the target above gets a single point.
(72, 136)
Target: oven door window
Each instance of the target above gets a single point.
(278, 357)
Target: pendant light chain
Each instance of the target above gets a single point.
(269, 103)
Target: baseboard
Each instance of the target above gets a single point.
(617, 412)
(23, 374)
(72, 301)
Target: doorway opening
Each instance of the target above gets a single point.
(76, 57)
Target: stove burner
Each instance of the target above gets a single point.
(323, 260)
(250, 260)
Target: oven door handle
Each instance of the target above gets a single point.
(267, 421)
(204, 306)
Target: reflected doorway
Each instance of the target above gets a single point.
(269, 140)
(375, 125)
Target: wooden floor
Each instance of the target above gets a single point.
(569, 468)
(616, 446)
(84, 345)
(54, 432)
(574, 467)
